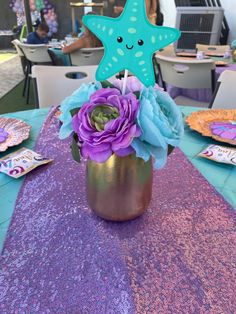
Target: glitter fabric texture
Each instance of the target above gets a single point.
(179, 257)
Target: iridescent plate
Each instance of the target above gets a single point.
(221, 63)
(219, 124)
(214, 54)
(17, 131)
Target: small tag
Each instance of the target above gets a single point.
(21, 162)
(226, 155)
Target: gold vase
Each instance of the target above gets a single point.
(234, 55)
(119, 189)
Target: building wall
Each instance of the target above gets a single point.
(7, 21)
(64, 15)
(169, 11)
(7, 16)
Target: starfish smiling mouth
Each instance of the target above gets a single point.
(129, 47)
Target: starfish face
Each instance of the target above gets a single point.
(129, 42)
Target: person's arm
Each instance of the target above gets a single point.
(78, 44)
(118, 10)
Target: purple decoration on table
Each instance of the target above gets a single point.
(59, 257)
(106, 124)
(225, 130)
(3, 135)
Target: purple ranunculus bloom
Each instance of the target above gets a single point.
(107, 124)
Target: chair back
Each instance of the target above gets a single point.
(23, 33)
(87, 56)
(168, 51)
(225, 96)
(35, 53)
(186, 73)
(16, 43)
(55, 83)
(212, 48)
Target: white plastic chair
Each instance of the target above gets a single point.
(24, 62)
(87, 56)
(53, 84)
(16, 43)
(225, 94)
(194, 74)
(35, 53)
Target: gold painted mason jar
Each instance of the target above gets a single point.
(234, 55)
(119, 189)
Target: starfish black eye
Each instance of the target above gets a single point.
(140, 42)
(119, 39)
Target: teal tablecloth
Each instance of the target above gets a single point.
(222, 177)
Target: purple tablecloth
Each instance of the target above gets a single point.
(204, 95)
(58, 257)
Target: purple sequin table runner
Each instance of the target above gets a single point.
(58, 257)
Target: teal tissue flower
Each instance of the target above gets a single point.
(161, 123)
(233, 44)
(76, 100)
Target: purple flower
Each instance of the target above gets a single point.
(3, 135)
(133, 84)
(107, 124)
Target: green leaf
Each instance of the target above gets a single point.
(75, 150)
(73, 112)
(106, 84)
(137, 94)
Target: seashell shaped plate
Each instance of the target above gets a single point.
(12, 132)
(219, 124)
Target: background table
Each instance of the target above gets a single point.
(179, 257)
(222, 177)
(204, 95)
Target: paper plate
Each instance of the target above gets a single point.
(186, 54)
(219, 124)
(214, 54)
(12, 132)
(221, 63)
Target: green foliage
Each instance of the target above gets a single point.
(75, 150)
(74, 111)
(106, 84)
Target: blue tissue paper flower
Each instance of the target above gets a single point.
(161, 124)
(233, 44)
(76, 100)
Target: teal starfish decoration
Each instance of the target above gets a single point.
(129, 42)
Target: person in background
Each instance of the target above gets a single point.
(87, 40)
(152, 9)
(39, 36)
(159, 15)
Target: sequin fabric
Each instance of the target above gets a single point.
(58, 257)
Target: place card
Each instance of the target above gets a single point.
(226, 155)
(21, 162)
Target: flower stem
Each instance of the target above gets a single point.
(125, 82)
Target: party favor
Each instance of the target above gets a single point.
(226, 155)
(21, 162)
